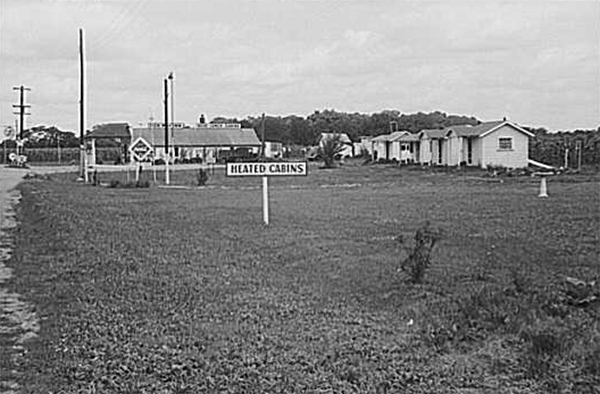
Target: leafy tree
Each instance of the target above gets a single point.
(301, 133)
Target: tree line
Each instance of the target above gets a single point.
(304, 131)
(556, 148)
(297, 130)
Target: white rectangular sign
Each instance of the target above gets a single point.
(267, 168)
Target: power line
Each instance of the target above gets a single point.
(124, 20)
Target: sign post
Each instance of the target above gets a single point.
(140, 150)
(265, 192)
(265, 170)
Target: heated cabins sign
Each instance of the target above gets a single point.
(267, 168)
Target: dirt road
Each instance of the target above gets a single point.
(18, 321)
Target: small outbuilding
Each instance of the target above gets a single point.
(119, 135)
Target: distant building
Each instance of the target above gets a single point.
(391, 146)
(118, 132)
(273, 150)
(364, 146)
(206, 143)
(498, 143)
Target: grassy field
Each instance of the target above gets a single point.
(162, 290)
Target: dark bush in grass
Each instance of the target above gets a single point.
(201, 177)
(116, 184)
(419, 257)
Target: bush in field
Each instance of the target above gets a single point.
(329, 148)
(419, 257)
(201, 177)
(116, 184)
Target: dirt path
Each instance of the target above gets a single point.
(18, 321)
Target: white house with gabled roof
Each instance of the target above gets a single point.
(497, 143)
(390, 146)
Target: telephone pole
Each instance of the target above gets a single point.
(171, 78)
(22, 108)
(82, 108)
(262, 128)
(167, 178)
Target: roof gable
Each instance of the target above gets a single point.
(201, 136)
(510, 124)
(484, 129)
(433, 133)
(397, 135)
(110, 130)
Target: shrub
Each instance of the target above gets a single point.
(419, 257)
(116, 184)
(201, 177)
(330, 148)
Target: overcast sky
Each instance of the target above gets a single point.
(535, 62)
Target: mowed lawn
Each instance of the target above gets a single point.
(163, 290)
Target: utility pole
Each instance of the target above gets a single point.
(21, 106)
(171, 78)
(21, 112)
(262, 127)
(166, 83)
(579, 148)
(82, 110)
(151, 127)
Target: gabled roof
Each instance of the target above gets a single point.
(397, 135)
(380, 138)
(110, 130)
(484, 128)
(433, 133)
(410, 137)
(200, 136)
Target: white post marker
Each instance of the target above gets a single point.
(265, 170)
(543, 184)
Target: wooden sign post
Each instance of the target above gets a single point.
(265, 170)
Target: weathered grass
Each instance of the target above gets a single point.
(143, 290)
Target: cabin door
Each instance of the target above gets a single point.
(469, 151)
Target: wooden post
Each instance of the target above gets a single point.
(579, 147)
(265, 192)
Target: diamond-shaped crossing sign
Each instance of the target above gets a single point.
(140, 149)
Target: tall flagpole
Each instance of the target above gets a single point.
(82, 109)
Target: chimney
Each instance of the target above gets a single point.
(201, 121)
(504, 119)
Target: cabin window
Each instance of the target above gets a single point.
(505, 143)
